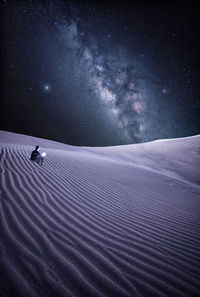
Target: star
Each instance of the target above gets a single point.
(46, 87)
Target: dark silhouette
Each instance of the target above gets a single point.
(36, 157)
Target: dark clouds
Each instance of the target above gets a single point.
(91, 74)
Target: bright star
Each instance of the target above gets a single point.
(46, 87)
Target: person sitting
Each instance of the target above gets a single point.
(36, 157)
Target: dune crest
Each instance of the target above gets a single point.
(112, 221)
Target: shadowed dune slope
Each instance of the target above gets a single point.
(95, 222)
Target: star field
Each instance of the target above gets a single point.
(89, 73)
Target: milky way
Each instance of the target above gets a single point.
(106, 74)
(113, 77)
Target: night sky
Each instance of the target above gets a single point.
(100, 73)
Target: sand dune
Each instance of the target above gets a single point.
(113, 221)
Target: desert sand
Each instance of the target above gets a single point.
(111, 221)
